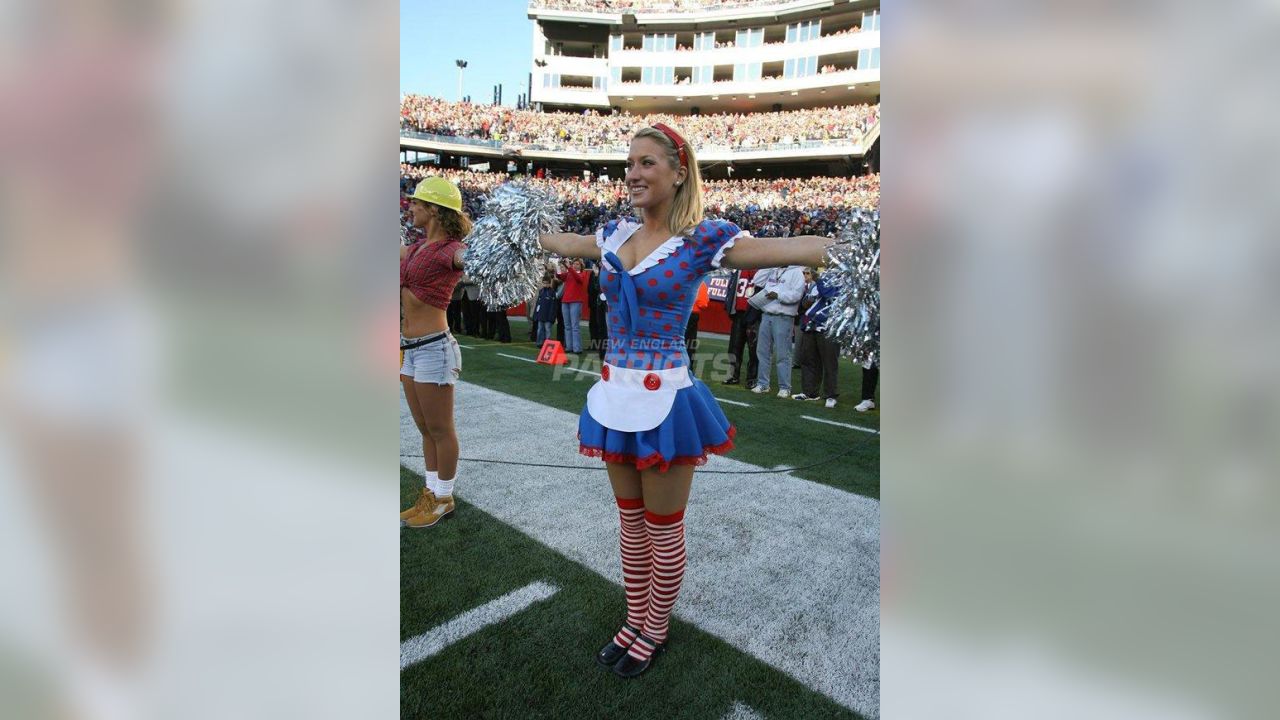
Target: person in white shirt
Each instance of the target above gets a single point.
(782, 288)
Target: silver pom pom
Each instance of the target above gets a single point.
(503, 255)
(853, 268)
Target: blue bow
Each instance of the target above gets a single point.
(628, 295)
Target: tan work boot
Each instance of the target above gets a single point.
(426, 499)
(440, 509)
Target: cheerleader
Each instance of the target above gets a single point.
(429, 271)
(648, 418)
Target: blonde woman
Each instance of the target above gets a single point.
(429, 271)
(649, 419)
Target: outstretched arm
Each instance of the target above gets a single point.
(753, 252)
(571, 245)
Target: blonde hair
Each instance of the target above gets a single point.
(686, 206)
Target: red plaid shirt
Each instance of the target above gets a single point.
(427, 271)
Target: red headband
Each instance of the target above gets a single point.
(675, 140)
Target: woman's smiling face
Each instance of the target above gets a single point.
(650, 178)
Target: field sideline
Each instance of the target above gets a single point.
(511, 599)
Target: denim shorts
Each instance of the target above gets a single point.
(439, 363)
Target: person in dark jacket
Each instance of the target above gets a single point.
(746, 323)
(597, 307)
(544, 313)
(455, 311)
(691, 329)
(472, 309)
(818, 355)
(499, 326)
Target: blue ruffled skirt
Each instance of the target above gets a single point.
(695, 428)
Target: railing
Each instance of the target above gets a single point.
(453, 139)
(683, 6)
(723, 81)
(803, 47)
(622, 147)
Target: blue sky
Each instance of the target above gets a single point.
(495, 37)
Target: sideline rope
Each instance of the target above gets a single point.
(837, 456)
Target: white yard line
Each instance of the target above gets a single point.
(750, 556)
(570, 369)
(742, 711)
(732, 402)
(844, 425)
(585, 372)
(419, 648)
(517, 357)
(468, 347)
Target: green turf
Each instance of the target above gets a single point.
(770, 432)
(540, 662)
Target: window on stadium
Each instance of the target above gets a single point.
(658, 75)
(751, 37)
(871, 21)
(804, 31)
(615, 42)
(869, 59)
(800, 67)
(744, 72)
(659, 43)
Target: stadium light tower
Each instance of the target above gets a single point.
(462, 64)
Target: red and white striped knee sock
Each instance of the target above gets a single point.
(666, 532)
(637, 563)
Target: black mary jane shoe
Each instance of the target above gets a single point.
(629, 667)
(730, 381)
(610, 654)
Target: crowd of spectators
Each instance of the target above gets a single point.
(569, 131)
(846, 31)
(775, 207)
(680, 47)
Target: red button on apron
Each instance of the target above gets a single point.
(652, 381)
(604, 373)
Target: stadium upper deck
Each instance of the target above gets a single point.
(820, 141)
(622, 61)
(698, 56)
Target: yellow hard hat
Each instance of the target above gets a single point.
(439, 191)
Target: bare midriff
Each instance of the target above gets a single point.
(420, 318)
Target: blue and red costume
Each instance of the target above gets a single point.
(648, 409)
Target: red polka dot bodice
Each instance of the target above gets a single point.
(666, 285)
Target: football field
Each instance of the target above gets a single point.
(504, 606)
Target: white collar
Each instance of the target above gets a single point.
(623, 233)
